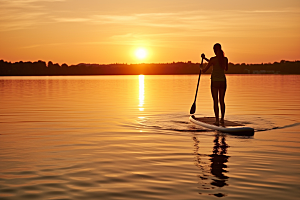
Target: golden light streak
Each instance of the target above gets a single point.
(141, 92)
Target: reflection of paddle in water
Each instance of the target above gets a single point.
(218, 160)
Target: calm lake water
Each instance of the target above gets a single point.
(129, 137)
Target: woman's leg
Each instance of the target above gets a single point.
(222, 92)
(214, 94)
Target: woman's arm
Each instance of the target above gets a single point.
(210, 63)
(226, 65)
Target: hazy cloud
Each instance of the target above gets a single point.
(160, 27)
(172, 26)
(20, 14)
(184, 20)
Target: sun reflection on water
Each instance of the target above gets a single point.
(141, 92)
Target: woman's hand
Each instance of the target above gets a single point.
(203, 57)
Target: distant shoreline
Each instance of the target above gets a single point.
(40, 68)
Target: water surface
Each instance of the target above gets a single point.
(129, 137)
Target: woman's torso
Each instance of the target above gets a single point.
(218, 73)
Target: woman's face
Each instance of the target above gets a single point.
(216, 49)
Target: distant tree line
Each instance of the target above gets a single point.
(40, 68)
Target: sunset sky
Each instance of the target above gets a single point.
(102, 31)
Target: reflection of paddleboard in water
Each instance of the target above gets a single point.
(228, 126)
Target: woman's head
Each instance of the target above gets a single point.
(220, 54)
(218, 50)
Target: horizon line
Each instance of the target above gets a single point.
(118, 63)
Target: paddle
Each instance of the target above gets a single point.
(193, 108)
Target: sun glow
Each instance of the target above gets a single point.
(141, 53)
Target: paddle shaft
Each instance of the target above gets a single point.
(198, 82)
(193, 108)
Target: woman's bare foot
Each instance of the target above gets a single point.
(216, 123)
(222, 121)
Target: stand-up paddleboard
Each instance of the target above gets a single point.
(228, 126)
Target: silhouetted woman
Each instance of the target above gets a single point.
(218, 80)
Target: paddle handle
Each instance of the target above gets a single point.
(203, 57)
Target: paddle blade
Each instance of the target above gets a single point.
(193, 108)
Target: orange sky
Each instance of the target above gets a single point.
(98, 31)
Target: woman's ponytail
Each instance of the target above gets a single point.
(220, 55)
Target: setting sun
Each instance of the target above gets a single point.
(141, 53)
